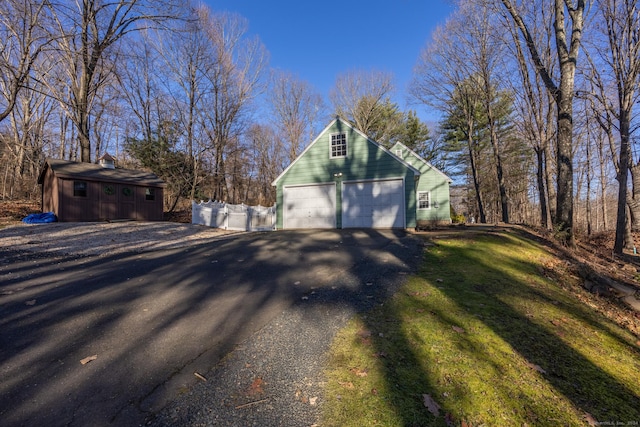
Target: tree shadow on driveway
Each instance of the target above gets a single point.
(153, 319)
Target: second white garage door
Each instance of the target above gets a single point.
(310, 206)
(373, 204)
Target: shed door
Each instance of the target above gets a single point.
(309, 206)
(373, 204)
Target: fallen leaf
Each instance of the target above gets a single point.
(359, 372)
(374, 391)
(89, 359)
(31, 302)
(458, 329)
(431, 405)
(256, 387)
(313, 401)
(348, 385)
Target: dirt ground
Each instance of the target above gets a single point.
(100, 238)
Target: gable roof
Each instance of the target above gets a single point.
(346, 123)
(421, 159)
(93, 172)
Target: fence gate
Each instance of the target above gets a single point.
(233, 217)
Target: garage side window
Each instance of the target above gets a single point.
(79, 189)
(424, 200)
(150, 194)
(338, 145)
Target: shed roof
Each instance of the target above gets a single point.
(93, 172)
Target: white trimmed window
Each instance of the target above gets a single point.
(424, 200)
(338, 145)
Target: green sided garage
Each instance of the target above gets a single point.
(343, 179)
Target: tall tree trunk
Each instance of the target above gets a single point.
(633, 199)
(621, 240)
(568, 37)
(548, 173)
(542, 194)
(476, 182)
(564, 202)
(603, 183)
(493, 136)
(504, 202)
(588, 207)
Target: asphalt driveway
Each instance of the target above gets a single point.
(114, 340)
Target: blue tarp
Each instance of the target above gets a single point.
(40, 218)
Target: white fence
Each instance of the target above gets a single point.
(233, 217)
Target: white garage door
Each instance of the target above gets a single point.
(373, 204)
(310, 206)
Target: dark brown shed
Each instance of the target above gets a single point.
(89, 192)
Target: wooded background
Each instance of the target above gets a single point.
(536, 98)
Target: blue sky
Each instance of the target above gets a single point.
(319, 40)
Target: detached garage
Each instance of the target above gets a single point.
(343, 179)
(76, 191)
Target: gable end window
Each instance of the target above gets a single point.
(79, 189)
(424, 200)
(338, 145)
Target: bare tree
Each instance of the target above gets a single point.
(536, 107)
(23, 145)
(86, 33)
(458, 73)
(359, 96)
(442, 80)
(568, 36)
(295, 108)
(141, 90)
(22, 40)
(268, 157)
(186, 56)
(614, 78)
(484, 53)
(234, 80)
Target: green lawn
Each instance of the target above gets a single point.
(486, 334)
